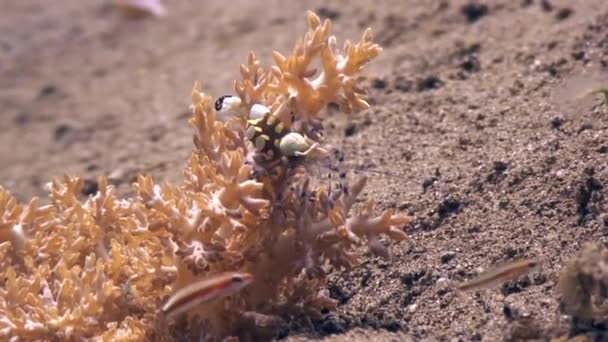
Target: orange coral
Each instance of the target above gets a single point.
(292, 76)
(249, 203)
(83, 269)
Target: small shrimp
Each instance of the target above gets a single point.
(500, 274)
(204, 291)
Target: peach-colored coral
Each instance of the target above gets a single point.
(102, 268)
(79, 270)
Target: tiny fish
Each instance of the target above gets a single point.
(204, 291)
(500, 274)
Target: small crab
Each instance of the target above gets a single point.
(269, 136)
(266, 132)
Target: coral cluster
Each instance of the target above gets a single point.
(73, 270)
(251, 202)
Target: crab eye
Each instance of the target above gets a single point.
(220, 102)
